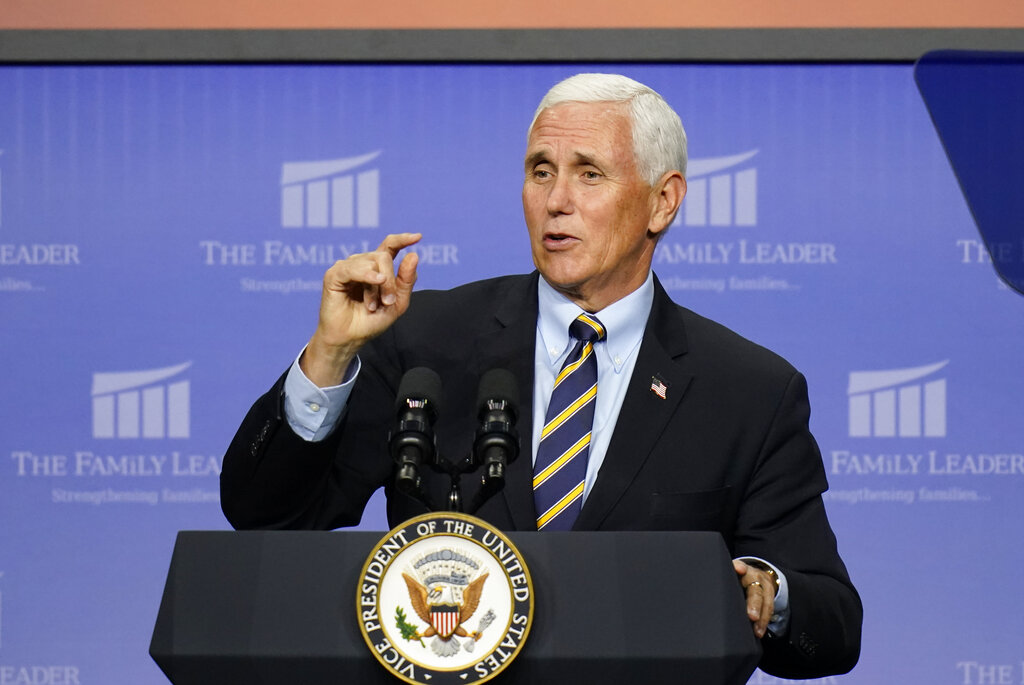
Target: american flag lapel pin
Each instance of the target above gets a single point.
(659, 387)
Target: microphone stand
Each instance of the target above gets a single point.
(412, 442)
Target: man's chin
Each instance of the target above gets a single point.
(573, 289)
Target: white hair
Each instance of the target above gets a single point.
(659, 141)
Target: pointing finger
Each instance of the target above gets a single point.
(396, 242)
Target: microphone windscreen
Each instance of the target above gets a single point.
(499, 384)
(420, 383)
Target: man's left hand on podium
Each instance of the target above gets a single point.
(759, 588)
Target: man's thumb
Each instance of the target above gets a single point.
(405, 279)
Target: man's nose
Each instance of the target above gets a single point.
(560, 196)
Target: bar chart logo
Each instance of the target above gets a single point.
(721, 191)
(330, 193)
(141, 404)
(906, 403)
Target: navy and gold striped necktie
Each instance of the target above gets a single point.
(561, 465)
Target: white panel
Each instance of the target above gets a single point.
(746, 198)
(128, 414)
(860, 416)
(316, 204)
(368, 200)
(178, 409)
(721, 200)
(910, 411)
(153, 412)
(695, 206)
(885, 413)
(103, 416)
(935, 409)
(292, 200)
(342, 202)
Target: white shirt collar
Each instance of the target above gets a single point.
(624, 321)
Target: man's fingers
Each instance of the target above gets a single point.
(760, 605)
(375, 271)
(760, 592)
(358, 271)
(379, 284)
(406, 277)
(755, 600)
(362, 296)
(371, 297)
(756, 608)
(398, 283)
(385, 291)
(396, 242)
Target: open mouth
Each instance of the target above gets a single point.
(558, 239)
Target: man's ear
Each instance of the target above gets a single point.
(667, 195)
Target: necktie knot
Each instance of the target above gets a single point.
(587, 329)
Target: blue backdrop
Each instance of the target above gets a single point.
(164, 229)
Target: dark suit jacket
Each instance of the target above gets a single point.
(728, 450)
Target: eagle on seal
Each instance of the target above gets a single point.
(445, 607)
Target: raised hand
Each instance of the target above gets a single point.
(362, 296)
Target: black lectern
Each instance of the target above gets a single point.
(279, 608)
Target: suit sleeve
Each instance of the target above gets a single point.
(273, 479)
(782, 519)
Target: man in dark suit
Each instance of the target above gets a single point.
(694, 428)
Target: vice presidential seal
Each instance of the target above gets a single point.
(445, 598)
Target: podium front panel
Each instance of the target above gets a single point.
(279, 608)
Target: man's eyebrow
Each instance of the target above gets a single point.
(538, 157)
(541, 156)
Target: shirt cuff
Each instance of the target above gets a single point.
(780, 618)
(314, 412)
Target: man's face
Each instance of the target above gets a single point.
(587, 209)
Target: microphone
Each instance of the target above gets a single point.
(412, 440)
(497, 440)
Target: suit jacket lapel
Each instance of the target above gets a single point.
(509, 344)
(644, 414)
